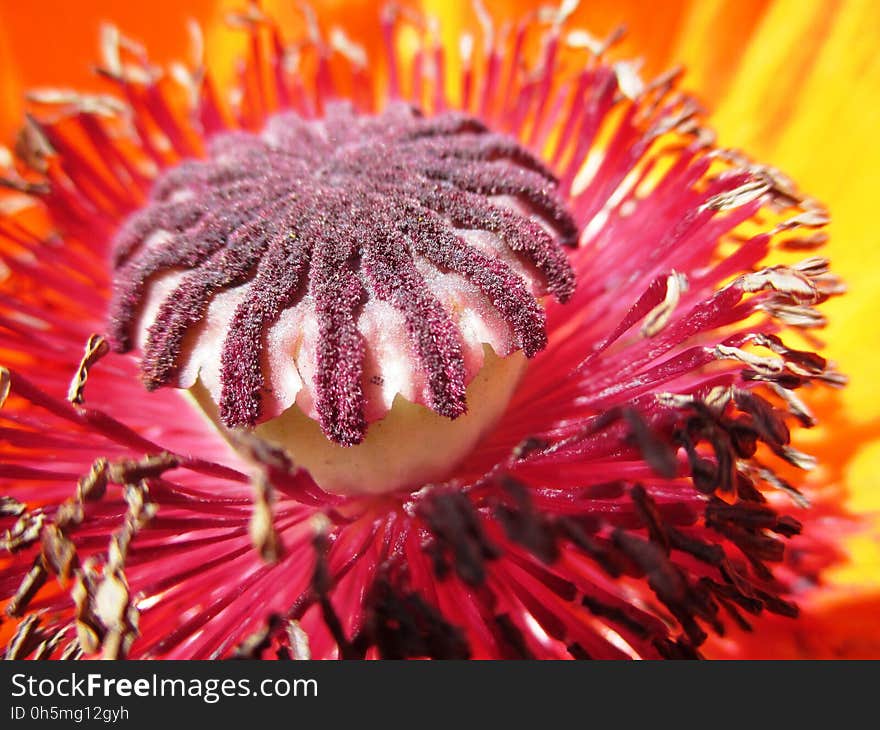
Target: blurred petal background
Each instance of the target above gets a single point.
(796, 84)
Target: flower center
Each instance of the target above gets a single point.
(325, 275)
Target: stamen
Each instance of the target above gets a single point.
(335, 288)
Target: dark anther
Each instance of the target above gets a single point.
(655, 450)
(616, 615)
(767, 421)
(402, 625)
(756, 545)
(510, 638)
(578, 652)
(650, 516)
(457, 532)
(787, 380)
(743, 436)
(528, 447)
(322, 583)
(685, 601)
(599, 550)
(257, 643)
(524, 525)
(706, 552)
(704, 473)
(678, 649)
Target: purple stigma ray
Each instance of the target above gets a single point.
(344, 209)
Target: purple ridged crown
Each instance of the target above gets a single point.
(269, 268)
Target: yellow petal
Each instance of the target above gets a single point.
(802, 94)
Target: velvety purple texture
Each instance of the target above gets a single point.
(340, 208)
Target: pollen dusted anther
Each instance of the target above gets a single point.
(337, 214)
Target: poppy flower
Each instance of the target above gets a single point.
(382, 345)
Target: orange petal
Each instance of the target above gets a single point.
(805, 98)
(55, 43)
(840, 629)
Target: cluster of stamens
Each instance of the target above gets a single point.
(622, 497)
(332, 214)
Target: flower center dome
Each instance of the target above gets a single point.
(362, 290)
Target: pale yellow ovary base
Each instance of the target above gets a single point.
(409, 447)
